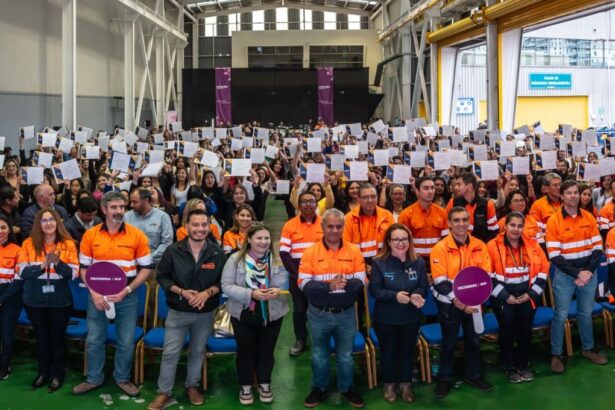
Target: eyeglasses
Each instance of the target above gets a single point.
(308, 202)
(518, 200)
(48, 221)
(400, 240)
(369, 197)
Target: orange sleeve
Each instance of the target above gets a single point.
(85, 249)
(438, 262)
(215, 231)
(182, 232)
(610, 246)
(306, 267)
(486, 261)
(23, 257)
(359, 265)
(349, 229)
(404, 218)
(492, 250)
(554, 246)
(449, 206)
(71, 257)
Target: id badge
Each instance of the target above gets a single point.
(48, 289)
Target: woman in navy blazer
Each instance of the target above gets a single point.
(398, 283)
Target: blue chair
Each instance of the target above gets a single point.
(143, 299)
(78, 326)
(607, 307)
(23, 319)
(372, 339)
(153, 339)
(217, 346)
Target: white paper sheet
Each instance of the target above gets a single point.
(257, 155)
(271, 151)
(520, 165)
(607, 166)
(546, 160)
(28, 132)
(441, 161)
(358, 170)
(350, 151)
(241, 167)
(315, 173)
(355, 129)
(209, 159)
(487, 170)
(381, 157)
(32, 175)
(236, 144)
(43, 159)
(92, 152)
(154, 156)
(120, 162)
(158, 139)
(221, 133)
(49, 140)
(65, 144)
(337, 162)
(152, 170)
(313, 144)
(69, 169)
(400, 134)
(378, 126)
(187, 148)
(418, 159)
(402, 174)
(282, 187)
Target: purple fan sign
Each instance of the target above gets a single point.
(105, 278)
(472, 286)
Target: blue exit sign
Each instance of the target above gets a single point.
(542, 81)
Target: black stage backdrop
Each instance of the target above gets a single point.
(274, 95)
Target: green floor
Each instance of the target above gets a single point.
(583, 384)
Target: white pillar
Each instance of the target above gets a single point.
(509, 76)
(195, 43)
(160, 88)
(447, 63)
(129, 72)
(179, 66)
(493, 103)
(69, 64)
(406, 77)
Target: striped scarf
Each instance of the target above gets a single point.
(258, 272)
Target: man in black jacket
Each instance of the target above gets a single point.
(189, 272)
(85, 218)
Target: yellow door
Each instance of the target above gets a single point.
(422, 111)
(482, 111)
(551, 111)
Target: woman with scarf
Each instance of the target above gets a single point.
(256, 305)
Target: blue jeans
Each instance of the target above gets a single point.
(342, 327)
(563, 290)
(126, 314)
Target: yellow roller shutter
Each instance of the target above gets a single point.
(551, 111)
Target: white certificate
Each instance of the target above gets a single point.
(43, 159)
(92, 152)
(607, 166)
(520, 165)
(32, 175)
(49, 140)
(579, 149)
(65, 144)
(248, 142)
(142, 147)
(546, 160)
(142, 133)
(378, 126)
(215, 142)
(241, 167)
(262, 133)
(402, 174)
(372, 138)
(2, 139)
(458, 157)
(236, 144)
(220, 133)
(152, 170)
(130, 137)
(103, 143)
(188, 148)
(381, 157)
(441, 161)
(358, 170)
(400, 134)
(315, 173)
(547, 142)
(207, 133)
(154, 157)
(393, 151)
(340, 129)
(363, 147)
(271, 151)
(589, 137)
(1, 161)
(88, 131)
(487, 170)
(418, 159)
(158, 139)
(587, 172)
(119, 146)
(81, 137)
(505, 148)
(336, 162)
(313, 144)
(282, 187)
(209, 159)
(257, 155)
(236, 131)
(350, 151)
(356, 130)
(70, 169)
(28, 132)
(119, 161)
(478, 152)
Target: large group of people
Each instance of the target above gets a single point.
(185, 212)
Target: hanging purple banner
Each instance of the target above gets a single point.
(325, 94)
(223, 95)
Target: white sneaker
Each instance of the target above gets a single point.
(245, 395)
(265, 394)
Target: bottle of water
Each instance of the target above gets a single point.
(435, 364)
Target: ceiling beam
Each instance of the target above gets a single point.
(289, 4)
(151, 16)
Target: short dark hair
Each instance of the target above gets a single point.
(366, 185)
(420, 180)
(87, 204)
(7, 193)
(456, 209)
(144, 194)
(567, 184)
(469, 178)
(306, 193)
(197, 212)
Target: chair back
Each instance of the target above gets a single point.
(143, 300)
(162, 309)
(430, 308)
(80, 295)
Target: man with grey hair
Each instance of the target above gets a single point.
(332, 276)
(126, 246)
(550, 203)
(154, 223)
(44, 197)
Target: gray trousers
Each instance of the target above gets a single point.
(177, 326)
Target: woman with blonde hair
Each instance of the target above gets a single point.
(399, 284)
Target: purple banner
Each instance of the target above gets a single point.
(472, 286)
(325, 94)
(223, 96)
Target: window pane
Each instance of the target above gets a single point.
(210, 26)
(330, 21)
(258, 20)
(281, 18)
(354, 22)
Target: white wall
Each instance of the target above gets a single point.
(600, 26)
(367, 38)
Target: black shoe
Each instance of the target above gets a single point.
(55, 384)
(314, 398)
(442, 389)
(480, 384)
(354, 399)
(4, 373)
(297, 348)
(40, 381)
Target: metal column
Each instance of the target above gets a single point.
(406, 70)
(195, 43)
(69, 64)
(129, 71)
(493, 104)
(160, 97)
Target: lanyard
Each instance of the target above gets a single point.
(512, 254)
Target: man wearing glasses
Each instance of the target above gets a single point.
(298, 234)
